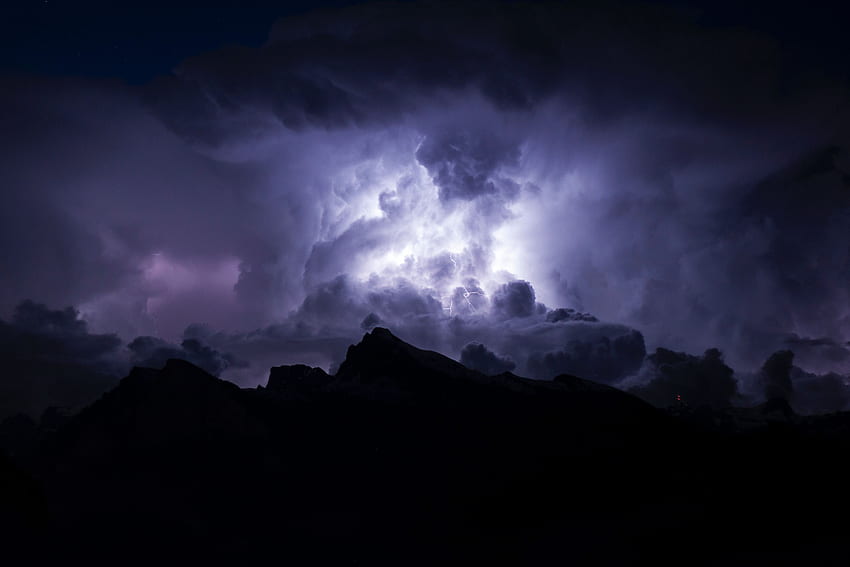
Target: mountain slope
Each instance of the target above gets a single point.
(405, 456)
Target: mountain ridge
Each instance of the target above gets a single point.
(407, 456)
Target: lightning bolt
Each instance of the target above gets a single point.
(466, 293)
(451, 302)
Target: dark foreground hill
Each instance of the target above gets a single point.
(406, 457)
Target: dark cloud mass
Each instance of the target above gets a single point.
(462, 164)
(514, 299)
(819, 393)
(447, 171)
(567, 314)
(50, 358)
(480, 358)
(154, 353)
(603, 358)
(776, 375)
(678, 378)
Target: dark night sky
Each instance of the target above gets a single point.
(246, 183)
(137, 41)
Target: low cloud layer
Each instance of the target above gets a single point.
(602, 358)
(674, 378)
(564, 188)
(152, 352)
(49, 357)
(480, 358)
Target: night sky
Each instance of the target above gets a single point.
(536, 187)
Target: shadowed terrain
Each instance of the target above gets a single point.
(405, 456)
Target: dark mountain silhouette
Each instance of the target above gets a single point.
(407, 457)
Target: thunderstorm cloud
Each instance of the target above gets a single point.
(533, 187)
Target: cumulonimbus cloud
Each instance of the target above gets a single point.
(459, 182)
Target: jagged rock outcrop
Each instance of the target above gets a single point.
(297, 380)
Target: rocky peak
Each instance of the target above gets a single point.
(381, 353)
(297, 379)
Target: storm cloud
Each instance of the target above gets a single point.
(819, 393)
(154, 353)
(675, 378)
(560, 185)
(478, 357)
(603, 358)
(776, 375)
(51, 359)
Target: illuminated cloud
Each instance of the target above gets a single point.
(547, 182)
